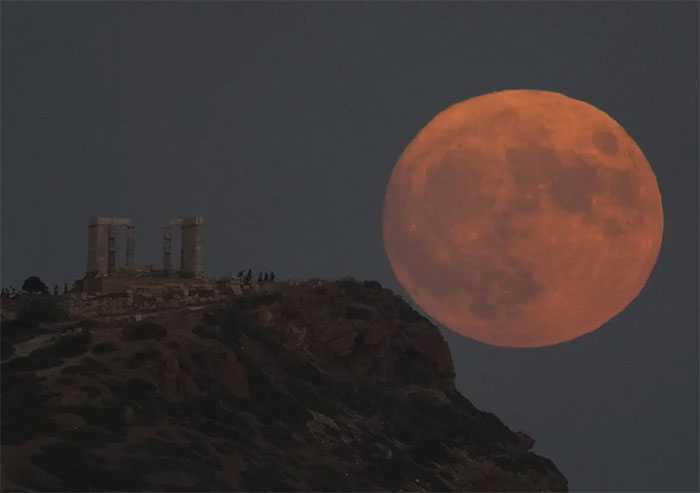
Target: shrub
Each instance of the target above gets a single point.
(142, 331)
(40, 310)
(104, 347)
(34, 285)
(206, 332)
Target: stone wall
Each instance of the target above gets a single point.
(139, 299)
(145, 298)
(126, 281)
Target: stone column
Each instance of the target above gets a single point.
(97, 247)
(167, 249)
(92, 261)
(130, 230)
(111, 249)
(182, 249)
(193, 246)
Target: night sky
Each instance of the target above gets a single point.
(280, 123)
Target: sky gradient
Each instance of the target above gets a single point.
(280, 123)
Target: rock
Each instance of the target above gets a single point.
(432, 396)
(74, 397)
(129, 415)
(170, 375)
(232, 374)
(525, 441)
(334, 386)
(266, 317)
(340, 338)
(69, 421)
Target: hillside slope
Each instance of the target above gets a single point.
(339, 386)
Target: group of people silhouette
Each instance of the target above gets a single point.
(8, 292)
(247, 276)
(11, 292)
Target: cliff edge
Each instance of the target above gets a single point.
(323, 386)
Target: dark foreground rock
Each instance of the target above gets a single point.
(338, 386)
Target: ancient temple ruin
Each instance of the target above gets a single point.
(192, 245)
(102, 255)
(104, 275)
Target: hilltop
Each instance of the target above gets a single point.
(323, 386)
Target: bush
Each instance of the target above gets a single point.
(147, 330)
(104, 347)
(34, 285)
(40, 310)
(13, 333)
(206, 332)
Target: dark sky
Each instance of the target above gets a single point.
(280, 123)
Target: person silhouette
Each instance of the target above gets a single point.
(266, 277)
(272, 275)
(248, 276)
(260, 277)
(55, 289)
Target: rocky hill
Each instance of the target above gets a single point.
(325, 386)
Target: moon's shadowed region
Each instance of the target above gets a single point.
(523, 218)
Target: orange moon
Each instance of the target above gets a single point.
(522, 218)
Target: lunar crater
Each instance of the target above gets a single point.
(606, 142)
(573, 187)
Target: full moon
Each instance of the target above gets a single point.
(522, 218)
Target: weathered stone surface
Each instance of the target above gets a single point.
(101, 253)
(69, 421)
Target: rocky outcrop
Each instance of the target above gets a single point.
(325, 386)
